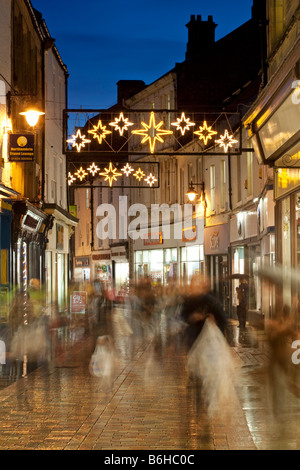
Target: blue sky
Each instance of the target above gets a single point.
(104, 42)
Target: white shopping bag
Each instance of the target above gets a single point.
(211, 360)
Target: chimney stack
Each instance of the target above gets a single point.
(201, 36)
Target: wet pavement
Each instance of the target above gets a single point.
(152, 405)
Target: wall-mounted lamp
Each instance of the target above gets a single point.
(192, 194)
(32, 116)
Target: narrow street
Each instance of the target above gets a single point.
(152, 405)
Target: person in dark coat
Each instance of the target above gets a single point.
(195, 311)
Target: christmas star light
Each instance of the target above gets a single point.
(183, 124)
(139, 174)
(93, 169)
(121, 124)
(152, 132)
(127, 170)
(111, 174)
(151, 180)
(78, 141)
(71, 179)
(205, 133)
(99, 132)
(81, 174)
(226, 141)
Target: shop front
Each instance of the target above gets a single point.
(82, 269)
(102, 267)
(246, 260)
(57, 256)
(216, 251)
(274, 129)
(29, 238)
(120, 268)
(164, 259)
(287, 193)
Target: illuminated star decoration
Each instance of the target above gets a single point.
(205, 133)
(81, 174)
(152, 132)
(99, 132)
(111, 174)
(151, 180)
(121, 124)
(127, 170)
(183, 124)
(78, 141)
(93, 169)
(139, 174)
(71, 179)
(226, 141)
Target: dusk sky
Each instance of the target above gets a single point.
(104, 42)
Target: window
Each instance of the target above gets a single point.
(53, 191)
(213, 188)
(250, 173)
(223, 185)
(238, 179)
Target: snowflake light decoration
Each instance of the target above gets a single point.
(127, 170)
(151, 180)
(81, 174)
(79, 141)
(205, 133)
(93, 169)
(99, 132)
(139, 174)
(71, 178)
(111, 174)
(226, 141)
(183, 124)
(152, 132)
(121, 124)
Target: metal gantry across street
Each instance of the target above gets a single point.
(111, 145)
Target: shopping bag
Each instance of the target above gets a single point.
(211, 361)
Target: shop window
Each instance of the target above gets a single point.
(4, 267)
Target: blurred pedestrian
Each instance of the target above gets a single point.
(243, 298)
(195, 311)
(280, 333)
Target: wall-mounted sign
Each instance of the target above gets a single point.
(82, 262)
(154, 239)
(21, 147)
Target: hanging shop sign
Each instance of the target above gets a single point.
(21, 147)
(216, 240)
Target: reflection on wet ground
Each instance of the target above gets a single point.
(151, 403)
